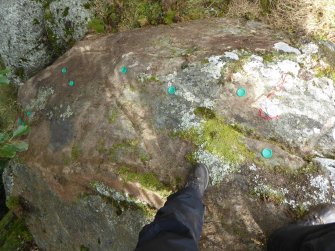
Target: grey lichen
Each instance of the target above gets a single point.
(123, 200)
(40, 102)
(59, 112)
(67, 114)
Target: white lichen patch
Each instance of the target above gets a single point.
(58, 112)
(144, 77)
(189, 96)
(310, 49)
(281, 46)
(40, 101)
(231, 55)
(253, 167)
(218, 169)
(268, 191)
(329, 166)
(189, 120)
(279, 88)
(214, 67)
(322, 186)
(104, 190)
(67, 114)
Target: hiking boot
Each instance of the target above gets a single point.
(199, 179)
(323, 214)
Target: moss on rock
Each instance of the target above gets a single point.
(147, 180)
(220, 139)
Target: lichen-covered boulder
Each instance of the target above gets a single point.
(35, 32)
(118, 121)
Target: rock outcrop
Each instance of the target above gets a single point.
(35, 32)
(117, 121)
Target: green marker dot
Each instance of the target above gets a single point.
(124, 70)
(28, 114)
(71, 83)
(241, 92)
(64, 70)
(267, 153)
(172, 90)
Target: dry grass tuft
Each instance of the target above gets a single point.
(316, 18)
(244, 8)
(311, 17)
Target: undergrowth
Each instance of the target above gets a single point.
(315, 18)
(14, 234)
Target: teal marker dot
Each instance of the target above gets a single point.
(124, 70)
(71, 83)
(64, 70)
(267, 153)
(172, 90)
(20, 122)
(28, 114)
(241, 92)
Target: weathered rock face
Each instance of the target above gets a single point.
(94, 138)
(33, 33)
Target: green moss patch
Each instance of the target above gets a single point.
(204, 112)
(75, 152)
(224, 141)
(112, 115)
(220, 139)
(146, 180)
(97, 25)
(328, 72)
(170, 16)
(13, 202)
(124, 149)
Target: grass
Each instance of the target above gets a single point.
(12, 203)
(169, 17)
(314, 18)
(14, 234)
(97, 25)
(127, 14)
(8, 107)
(309, 17)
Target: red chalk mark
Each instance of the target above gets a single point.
(280, 87)
(264, 115)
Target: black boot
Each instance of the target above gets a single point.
(199, 179)
(323, 214)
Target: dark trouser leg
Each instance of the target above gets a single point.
(303, 238)
(182, 214)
